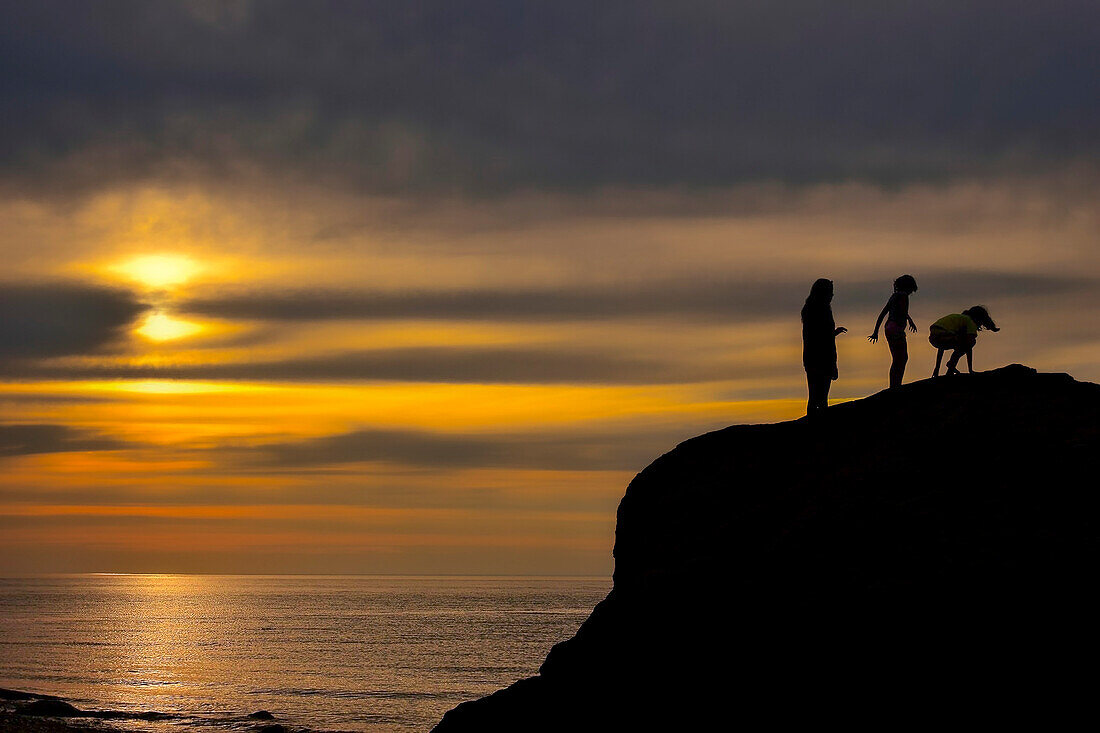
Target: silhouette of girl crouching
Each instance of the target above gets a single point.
(959, 332)
(819, 333)
(898, 309)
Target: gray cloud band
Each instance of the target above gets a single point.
(57, 319)
(22, 440)
(41, 323)
(487, 96)
(699, 300)
(562, 452)
(430, 364)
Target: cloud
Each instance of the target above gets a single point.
(704, 299)
(968, 287)
(553, 451)
(22, 440)
(59, 319)
(584, 357)
(662, 298)
(487, 96)
(427, 364)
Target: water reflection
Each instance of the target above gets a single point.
(379, 654)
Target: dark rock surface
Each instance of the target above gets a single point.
(272, 728)
(51, 708)
(924, 556)
(15, 723)
(261, 715)
(6, 694)
(51, 714)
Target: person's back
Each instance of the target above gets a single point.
(959, 332)
(898, 307)
(956, 323)
(818, 339)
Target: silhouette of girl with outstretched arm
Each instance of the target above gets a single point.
(959, 331)
(898, 309)
(819, 333)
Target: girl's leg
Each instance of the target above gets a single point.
(818, 387)
(965, 346)
(953, 362)
(900, 351)
(939, 360)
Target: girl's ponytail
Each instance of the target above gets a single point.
(980, 315)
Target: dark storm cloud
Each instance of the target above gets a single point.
(429, 364)
(703, 300)
(552, 451)
(22, 440)
(59, 319)
(493, 95)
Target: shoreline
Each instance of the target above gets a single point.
(31, 712)
(16, 717)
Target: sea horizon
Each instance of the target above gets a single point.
(306, 575)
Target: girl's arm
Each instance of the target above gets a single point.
(885, 309)
(905, 302)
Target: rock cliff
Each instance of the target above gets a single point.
(924, 556)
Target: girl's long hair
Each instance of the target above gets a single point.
(818, 299)
(980, 315)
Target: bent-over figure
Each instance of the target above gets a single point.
(959, 332)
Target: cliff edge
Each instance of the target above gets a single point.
(926, 555)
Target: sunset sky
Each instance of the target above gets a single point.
(417, 287)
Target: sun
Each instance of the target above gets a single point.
(161, 327)
(159, 271)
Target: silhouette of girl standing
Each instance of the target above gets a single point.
(898, 309)
(959, 331)
(819, 333)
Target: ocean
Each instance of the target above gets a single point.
(333, 653)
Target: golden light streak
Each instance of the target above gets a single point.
(214, 539)
(95, 475)
(180, 411)
(165, 387)
(343, 512)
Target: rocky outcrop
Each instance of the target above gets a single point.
(52, 708)
(37, 713)
(924, 556)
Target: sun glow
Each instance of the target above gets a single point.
(166, 387)
(159, 271)
(161, 327)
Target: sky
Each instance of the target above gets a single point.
(418, 287)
